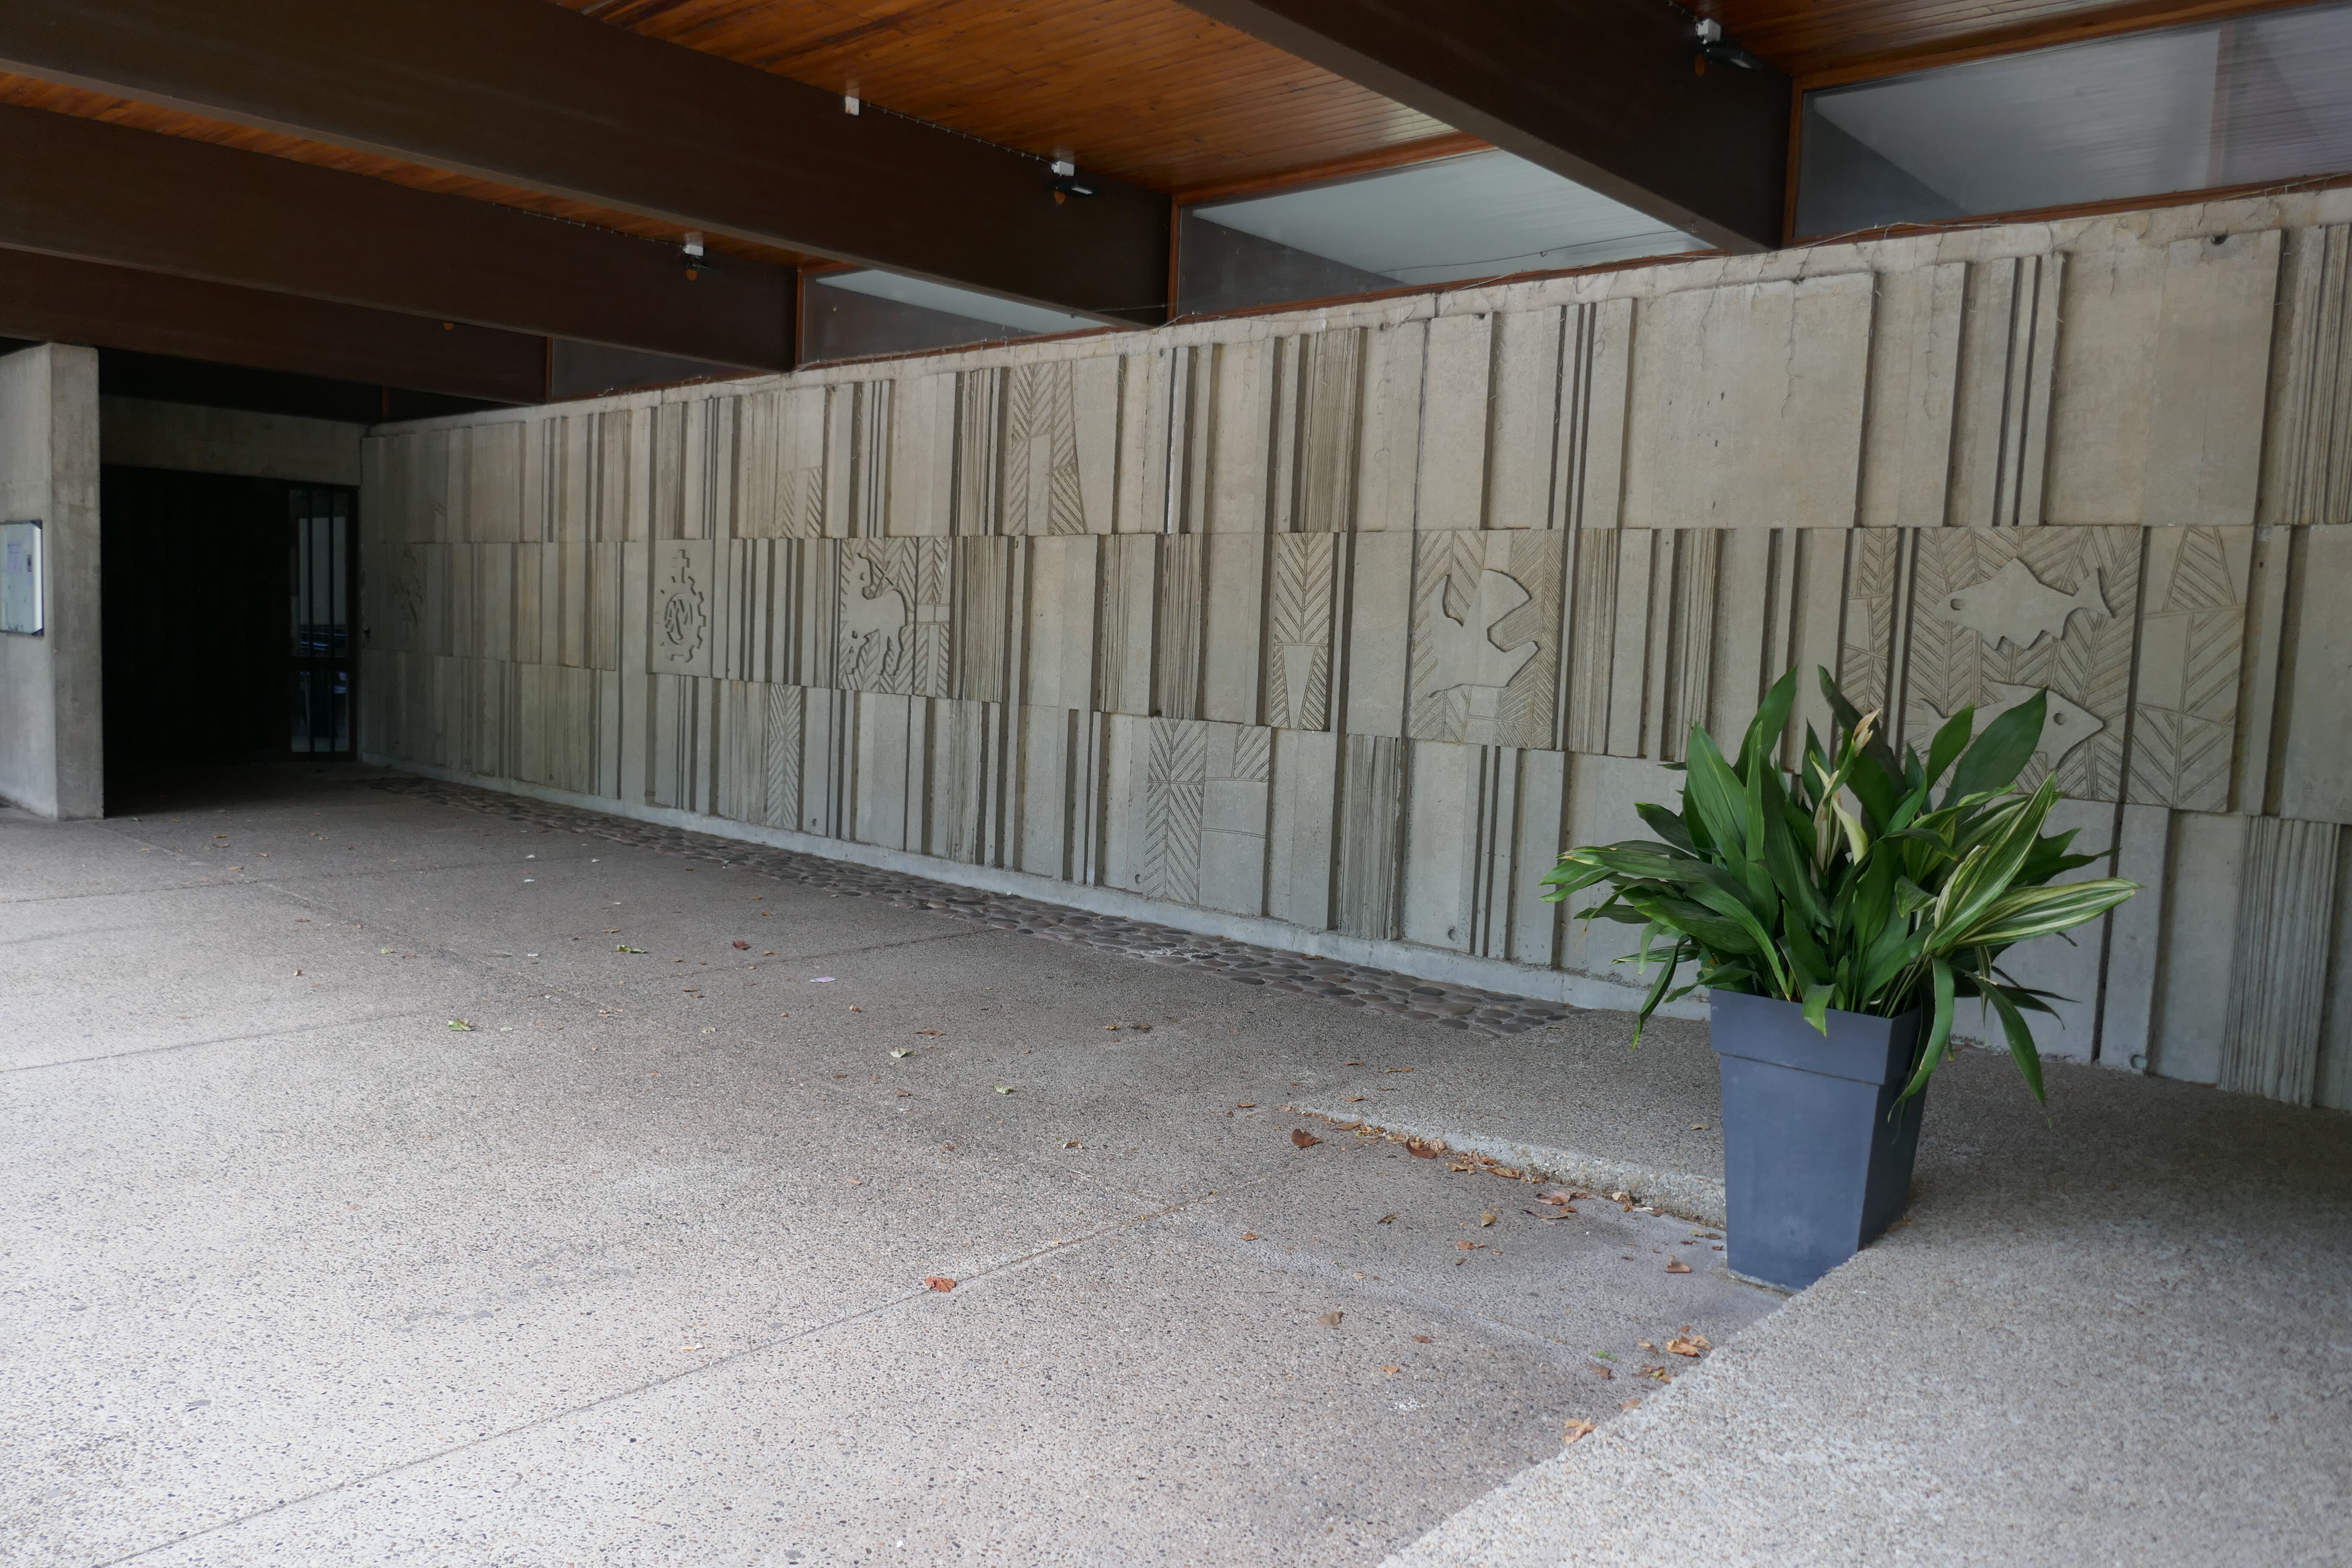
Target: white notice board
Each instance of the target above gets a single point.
(20, 577)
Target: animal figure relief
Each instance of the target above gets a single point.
(681, 611)
(2017, 607)
(873, 625)
(1463, 653)
(2065, 725)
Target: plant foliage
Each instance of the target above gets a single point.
(1852, 886)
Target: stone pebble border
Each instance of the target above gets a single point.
(1472, 1011)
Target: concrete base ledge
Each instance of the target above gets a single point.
(1403, 957)
(1682, 1193)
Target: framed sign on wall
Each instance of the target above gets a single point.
(20, 578)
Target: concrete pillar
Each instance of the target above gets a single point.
(52, 692)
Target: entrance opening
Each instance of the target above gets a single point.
(227, 612)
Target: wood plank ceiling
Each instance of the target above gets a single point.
(1148, 90)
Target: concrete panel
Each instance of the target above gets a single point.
(1746, 405)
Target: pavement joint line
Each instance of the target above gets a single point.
(1683, 1194)
(1024, 1261)
(1489, 1013)
(320, 1026)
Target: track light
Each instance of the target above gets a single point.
(1069, 182)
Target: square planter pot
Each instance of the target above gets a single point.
(1814, 1168)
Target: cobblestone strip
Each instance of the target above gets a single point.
(1334, 980)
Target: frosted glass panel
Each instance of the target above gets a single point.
(2257, 99)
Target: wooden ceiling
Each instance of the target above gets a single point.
(1148, 90)
(1818, 40)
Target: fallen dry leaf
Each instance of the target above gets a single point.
(1470, 1246)
(1487, 1217)
(1602, 1371)
(690, 1347)
(938, 1282)
(460, 1024)
(1249, 1235)
(1677, 1266)
(1559, 1198)
(1645, 1345)
(1072, 1143)
(1351, 1064)
(1303, 1138)
(902, 1051)
(1661, 1374)
(1423, 1339)
(1331, 1320)
(742, 947)
(1392, 1371)
(1398, 1070)
(625, 948)
(1689, 1344)
(1630, 1405)
(1385, 1219)
(1577, 1429)
(1245, 1105)
(1357, 1099)
(1002, 1089)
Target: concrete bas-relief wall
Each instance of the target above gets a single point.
(1336, 627)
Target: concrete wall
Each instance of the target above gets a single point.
(142, 433)
(1332, 629)
(52, 695)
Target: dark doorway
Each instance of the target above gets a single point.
(227, 608)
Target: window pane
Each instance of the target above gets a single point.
(2254, 101)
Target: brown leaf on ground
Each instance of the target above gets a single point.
(1677, 1266)
(1385, 1219)
(1357, 1099)
(1559, 1198)
(1331, 1320)
(1419, 1150)
(1595, 1367)
(1351, 1064)
(1630, 1405)
(1470, 1246)
(1392, 1371)
(742, 947)
(1645, 1345)
(1249, 1235)
(1577, 1429)
(1689, 1344)
(938, 1282)
(1487, 1217)
(1245, 1105)
(1661, 1374)
(1303, 1138)
(1423, 1339)
(1398, 1070)
(931, 1031)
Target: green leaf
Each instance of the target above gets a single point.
(1817, 1007)
(1668, 826)
(1764, 730)
(2000, 753)
(1713, 798)
(2041, 912)
(2020, 1040)
(1939, 1032)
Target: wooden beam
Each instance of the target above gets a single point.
(58, 300)
(165, 203)
(1601, 91)
(537, 96)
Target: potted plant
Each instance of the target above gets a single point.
(1837, 918)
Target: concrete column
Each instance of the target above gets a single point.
(52, 692)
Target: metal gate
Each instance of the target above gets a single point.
(321, 577)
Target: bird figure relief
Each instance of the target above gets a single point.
(1463, 653)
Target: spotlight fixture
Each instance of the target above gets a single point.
(1069, 182)
(1714, 46)
(697, 260)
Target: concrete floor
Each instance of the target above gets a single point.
(631, 1271)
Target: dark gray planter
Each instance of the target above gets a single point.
(1814, 1168)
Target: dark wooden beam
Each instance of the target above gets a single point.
(165, 203)
(1601, 91)
(58, 300)
(534, 95)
